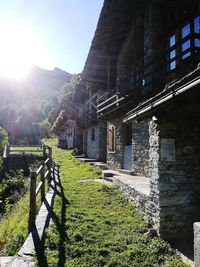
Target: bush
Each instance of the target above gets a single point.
(12, 187)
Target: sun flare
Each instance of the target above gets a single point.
(18, 50)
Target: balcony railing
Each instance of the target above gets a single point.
(180, 56)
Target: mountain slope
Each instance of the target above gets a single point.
(33, 100)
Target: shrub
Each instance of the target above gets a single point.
(12, 187)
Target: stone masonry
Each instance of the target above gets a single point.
(175, 184)
(140, 147)
(96, 148)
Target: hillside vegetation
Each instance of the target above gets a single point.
(28, 106)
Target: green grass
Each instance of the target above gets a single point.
(94, 225)
(14, 225)
(13, 228)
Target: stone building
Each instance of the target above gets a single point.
(144, 60)
(94, 131)
(68, 124)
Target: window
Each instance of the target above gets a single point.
(185, 31)
(183, 42)
(197, 31)
(93, 134)
(172, 54)
(111, 138)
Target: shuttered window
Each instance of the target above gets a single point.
(111, 139)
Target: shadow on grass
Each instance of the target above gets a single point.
(59, 221)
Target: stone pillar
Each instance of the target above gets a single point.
(154, 156)
(197, 244)
(140, 148)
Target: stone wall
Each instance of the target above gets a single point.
(140, 148)
(175, 184)
(92, 146)
(96, 148)
(78, 138)
(139, 200)
(102, 140)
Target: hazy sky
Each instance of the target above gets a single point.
(49, 33)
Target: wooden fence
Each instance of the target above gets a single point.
(43, 173)
(40, 178)
(41, 149)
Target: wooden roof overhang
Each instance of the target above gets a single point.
(114, 23)
(171, 92)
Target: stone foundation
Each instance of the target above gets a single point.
(139, 200)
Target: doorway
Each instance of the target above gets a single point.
(127, 160)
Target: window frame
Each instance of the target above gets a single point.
(183, 46)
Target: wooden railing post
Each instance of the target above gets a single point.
(49, 163)
(32, 210)
(8, 150)
(42, 178)
(44, 151)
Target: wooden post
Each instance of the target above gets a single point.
(49, 164)
(8, 149)
(44, 151)
(32, 210)
(43, 181)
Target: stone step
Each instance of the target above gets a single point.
(87, 160)
(108, 174)
(124, 171)
(80, 156)
(109, 179)
(100, 165)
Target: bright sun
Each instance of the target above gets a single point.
(18, 50)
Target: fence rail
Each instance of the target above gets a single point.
(44, 173)
(13, 149)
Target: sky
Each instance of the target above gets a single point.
(47, 33)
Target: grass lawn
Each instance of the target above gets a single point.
(94, 225)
